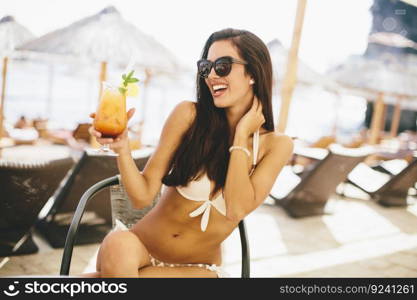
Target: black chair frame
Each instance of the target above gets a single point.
(114, 180)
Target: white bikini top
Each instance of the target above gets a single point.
(200, 189)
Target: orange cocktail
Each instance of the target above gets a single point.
(111, 118)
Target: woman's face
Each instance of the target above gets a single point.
(235, 87)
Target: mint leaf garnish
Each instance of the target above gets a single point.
(126, 80)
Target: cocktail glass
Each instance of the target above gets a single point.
(111, 118)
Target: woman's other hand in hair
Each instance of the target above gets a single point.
(252, 120)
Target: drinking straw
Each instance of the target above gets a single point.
(130, 64)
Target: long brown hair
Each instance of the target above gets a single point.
(205, 144)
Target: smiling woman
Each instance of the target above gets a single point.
(224, 80)
(219, 152)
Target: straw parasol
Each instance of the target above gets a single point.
(387, 79)
(305, 74)
(12, 35)
(107, 38)
(411, 2)
(391, 39)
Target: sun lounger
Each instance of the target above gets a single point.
(387, 188)
(81, 132)
(391, 167)
(91, 168)
(307, 195)
(25, 187)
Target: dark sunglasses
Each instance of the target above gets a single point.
(222, 66)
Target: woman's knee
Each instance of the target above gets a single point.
(122, 247)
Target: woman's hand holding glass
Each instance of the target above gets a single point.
(119, 144)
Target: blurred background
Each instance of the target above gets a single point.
(59, 80)
(345, 75)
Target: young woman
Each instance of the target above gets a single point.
(217, 158)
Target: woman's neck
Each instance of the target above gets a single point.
(237, 111)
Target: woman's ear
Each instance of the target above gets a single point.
(251, 81)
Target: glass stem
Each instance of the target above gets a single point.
(105, 148)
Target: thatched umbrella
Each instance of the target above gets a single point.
(107, 38)
(294, 71)
(381, 79)
(391, 39)
(305, 74)
(12, 35)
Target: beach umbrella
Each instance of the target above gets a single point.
(396, 40)
(391, 39)
(107, 38)
(386, 79)
(411, 2)
(12, 35)
(305, 74)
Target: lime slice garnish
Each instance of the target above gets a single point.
(132, 90)
(129, 85)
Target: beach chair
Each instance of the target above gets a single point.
(90, 168)
(307, 194)
(123, 215)
(391, 167)
(386, 188)
(24, 190)
(81, 132)
(323, 142)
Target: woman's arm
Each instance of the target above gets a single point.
(142, 187)
(243, 193)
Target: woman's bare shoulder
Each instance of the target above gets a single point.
(275, 141)
(181, 116)
(185, 111)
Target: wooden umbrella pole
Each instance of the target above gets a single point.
(384, 117)
(377, 119)
(3, 94)
(290, 77)
(148, 76)
(395, 123)
(103, 77)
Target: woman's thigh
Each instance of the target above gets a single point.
(176, 272)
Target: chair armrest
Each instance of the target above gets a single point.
(245, 250)
(72, 232)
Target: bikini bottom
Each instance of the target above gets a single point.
(215, 268)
